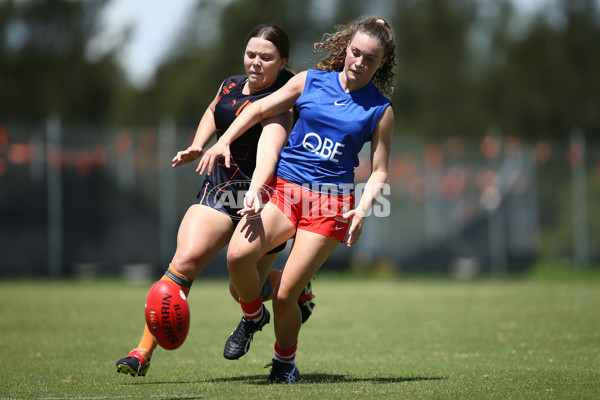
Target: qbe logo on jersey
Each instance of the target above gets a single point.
(324, 148)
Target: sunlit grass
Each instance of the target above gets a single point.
(383, 337)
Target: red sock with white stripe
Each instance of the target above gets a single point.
(286, 356)
(253, 311)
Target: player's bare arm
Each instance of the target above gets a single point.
(276, 103)
(380, 155)
(204, 133)
(272, 139)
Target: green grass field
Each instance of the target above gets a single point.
(369, 338)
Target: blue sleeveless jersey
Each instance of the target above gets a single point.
(332, 128)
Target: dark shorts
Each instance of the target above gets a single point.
(228, 199)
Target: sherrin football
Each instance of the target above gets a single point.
(167, 314)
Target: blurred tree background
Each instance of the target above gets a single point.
(464, 65)
(487, 98)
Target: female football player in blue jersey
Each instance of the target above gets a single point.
(341, 106)
(210, 221)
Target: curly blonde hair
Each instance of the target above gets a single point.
(336, 44)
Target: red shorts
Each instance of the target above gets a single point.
(320, 213)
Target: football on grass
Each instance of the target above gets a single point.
(167, 314)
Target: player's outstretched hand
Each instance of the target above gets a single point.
(252, 203)
(210, 156)
(186, 156)
(356, 220)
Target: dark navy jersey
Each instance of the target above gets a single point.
(230, 104)
(330, 132)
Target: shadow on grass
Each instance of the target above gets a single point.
(305, 378)
(328, 378)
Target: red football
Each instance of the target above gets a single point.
(167, 314)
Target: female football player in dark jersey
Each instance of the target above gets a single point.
(210, 221)
(341, 106)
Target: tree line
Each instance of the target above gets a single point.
(465, 66)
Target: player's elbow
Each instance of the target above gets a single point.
(379, 175)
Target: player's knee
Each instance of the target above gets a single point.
(237, 258)
(233, 257)
(282, 299)
(187, 262)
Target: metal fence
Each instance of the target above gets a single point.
(84, 200)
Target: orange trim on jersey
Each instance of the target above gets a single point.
(228, 182)
(246, 103)
(235, 164)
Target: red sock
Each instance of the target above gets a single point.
(253, 311)
(287, 356)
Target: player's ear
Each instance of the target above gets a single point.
(283, 63)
